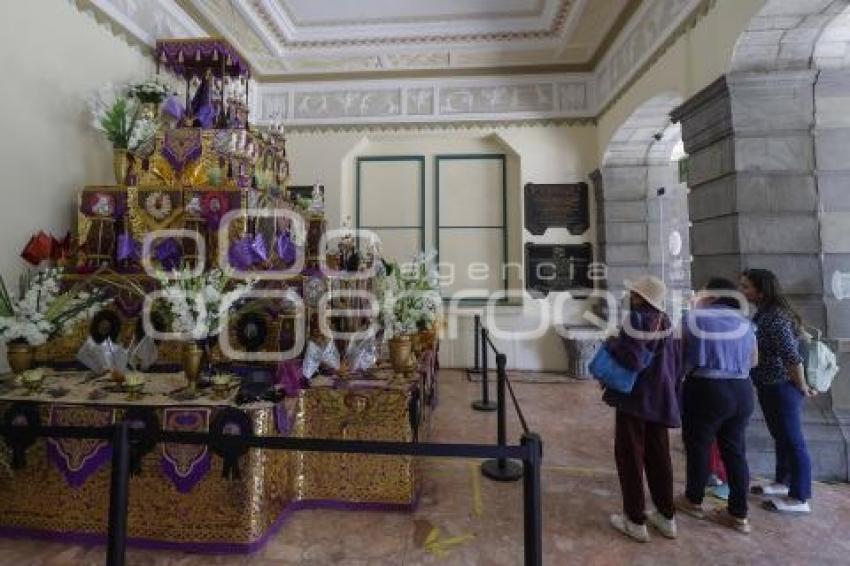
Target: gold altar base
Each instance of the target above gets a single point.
(217, 512)
(223, 515)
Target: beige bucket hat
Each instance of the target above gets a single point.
(651, 289)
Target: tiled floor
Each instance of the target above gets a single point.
(579, 490)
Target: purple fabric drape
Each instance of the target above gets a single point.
(185, 464)
(168, 254)
(285, 248)
(128, 248)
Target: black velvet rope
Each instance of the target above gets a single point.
(427, 449)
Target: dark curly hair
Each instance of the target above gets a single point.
(767, 283)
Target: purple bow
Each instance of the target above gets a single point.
(289, 377)
(247, 251)
(168, 254)
(128, 248)
(259, 248)
(240, 255)
(173, 108)
(285, 248)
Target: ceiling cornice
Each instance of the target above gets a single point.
(642, 34)
(276, 21)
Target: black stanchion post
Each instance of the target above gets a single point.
(119, 496)
(477, 368)
(532, 508)
(501, 469)
(484, 404)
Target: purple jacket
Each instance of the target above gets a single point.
(655, 396)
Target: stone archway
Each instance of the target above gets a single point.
(770, 180)
(642, 215)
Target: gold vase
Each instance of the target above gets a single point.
(428, 338)
(193, 355)
(20, 356)
(416, 344)
(401, 350)
(120, 165)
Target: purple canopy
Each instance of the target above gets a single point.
(193, 57)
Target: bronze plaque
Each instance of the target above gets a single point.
(557, 206)
(557, 267)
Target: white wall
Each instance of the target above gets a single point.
(539, 154)
(52, 57)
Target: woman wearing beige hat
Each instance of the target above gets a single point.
(644, 416)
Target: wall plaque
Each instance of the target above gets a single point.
(557, 206)
(557, 267)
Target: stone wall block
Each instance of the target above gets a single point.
(835, 232)
(792, 153)
(711, 162)
(758, 192)
(625, 211)
(705, 267)
(787, 234)
(626, 232)
(833, 148)
(626, 254)
(836, 264)
(715, 236)
(838, 318)
(713, 199)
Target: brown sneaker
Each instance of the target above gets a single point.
(684, 505)
(723, 518)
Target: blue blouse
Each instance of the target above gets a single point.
(779, 346)
(719, 343)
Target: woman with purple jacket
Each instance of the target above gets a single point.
(644, 416)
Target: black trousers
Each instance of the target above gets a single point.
(721, 409)
(643, 446)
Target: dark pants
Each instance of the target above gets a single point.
(639, 446)
(721, 409)
(782, 406)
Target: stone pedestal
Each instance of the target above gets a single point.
(581, 344)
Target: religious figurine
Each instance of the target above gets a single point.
(317, 200)
(202, 106)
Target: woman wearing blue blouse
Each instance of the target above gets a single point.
(781, 387)
(717, 398)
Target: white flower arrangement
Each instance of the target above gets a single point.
(195, 305)
(42, 310)
(409, 296)
(119, 117)
(150, 91)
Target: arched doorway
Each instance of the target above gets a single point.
(770, 182)
(642, 214)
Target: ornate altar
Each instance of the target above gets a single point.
(209, 191)
(185, 496)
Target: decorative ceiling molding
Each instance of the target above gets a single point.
(143, 23)
(455, 126)
(500, 97)
(285, 31)
(656, 26)
(422, 101)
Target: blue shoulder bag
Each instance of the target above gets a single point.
(606, 369)
(612, 374)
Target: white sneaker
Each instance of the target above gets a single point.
(788, 505)
(633, 530)
(771, 489)
(665, 526)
